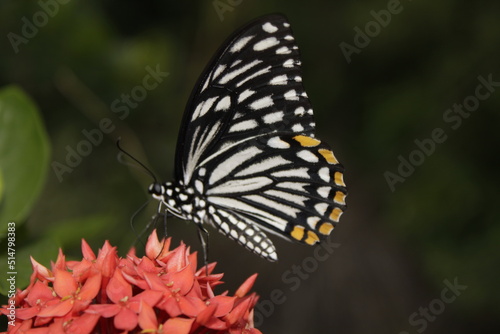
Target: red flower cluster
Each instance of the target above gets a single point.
(162, 292)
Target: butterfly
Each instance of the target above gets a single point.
(247, 159)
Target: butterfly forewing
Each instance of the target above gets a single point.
(247, 148)
(252, 88)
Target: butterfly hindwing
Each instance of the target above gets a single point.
(290, 185)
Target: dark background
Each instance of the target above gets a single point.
(396, 246)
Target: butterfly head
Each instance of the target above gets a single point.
(157, 190)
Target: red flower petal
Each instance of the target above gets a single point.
(26, 313)
(147, 318)
(182, 280)
(64, 283)
(171, 306)
(191, 306)
(178, 326)
(107, 259)
(118, 288)
(246, 286)
(81, 270)
(104, 310)
(60, 262)
(149, 297)
(42, 272)
(155, 282)
(147, 265)
(156, 249)
(125, 319)
(178, 260)
(58, 310)
(239, 311)
(224, 305)
(83, 324)
(87, 252)
(91, 287)
(40, 293)
(207, 319)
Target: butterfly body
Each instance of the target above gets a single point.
(247, 159)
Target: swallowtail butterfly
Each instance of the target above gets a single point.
(247, 159)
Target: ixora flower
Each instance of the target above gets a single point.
(162, 292)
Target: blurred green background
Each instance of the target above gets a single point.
(397, 244)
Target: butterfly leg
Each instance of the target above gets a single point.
(202, 232)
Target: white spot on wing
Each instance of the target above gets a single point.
(296, 172)
(321, 208)
(324, 174)
(203, 107)
(273, 117)
(276, 142)
(289, 63)
(226, 167)
(263, 166)
(244, 125)
(264, 102)
(223, 104)
(313, 221)
(299, 186)
(300, 111)
(256, 74)
(265, 44)
(199, 186)
(231, 75)
(297, 199)
(297, 127)
(245, 94)
(286, 209)
(240, 44)
(291, 95)
(307, 156)
(242, 185)
(219, 70)
(268, 27)
(283, 50)
(279, 80)
(324, 191)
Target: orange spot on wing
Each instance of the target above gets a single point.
(335, 215)
(339, 197)
(339, 179)
(307, 141)
(325, 228)
(328, 155)
(312, 238)
(298, 233)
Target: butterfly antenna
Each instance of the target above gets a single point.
(136, 160)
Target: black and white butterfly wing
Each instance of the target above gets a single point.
(247, 144)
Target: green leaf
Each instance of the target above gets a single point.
(24, 155)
